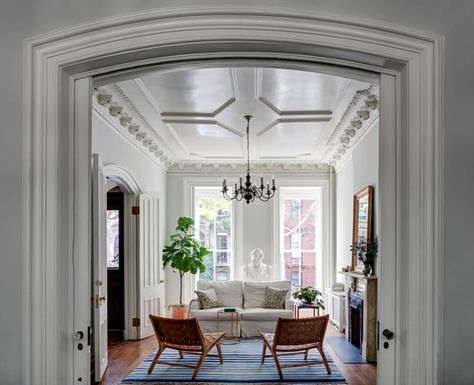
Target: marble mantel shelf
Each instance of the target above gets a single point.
(356, 275)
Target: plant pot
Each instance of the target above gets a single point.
(178, 312)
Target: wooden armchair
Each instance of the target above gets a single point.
(293, 336)
(184, 335)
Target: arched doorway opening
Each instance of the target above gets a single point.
(412, 58)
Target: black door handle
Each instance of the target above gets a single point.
(388, 334)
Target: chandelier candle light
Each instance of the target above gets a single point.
(249, 191)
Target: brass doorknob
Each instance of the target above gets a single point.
(162, 281)
(98, 300)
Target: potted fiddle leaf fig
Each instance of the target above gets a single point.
(309, 296)
(184, 254)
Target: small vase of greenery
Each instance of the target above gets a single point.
(366, 252)
(309, 295)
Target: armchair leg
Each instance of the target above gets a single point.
(263, 353)
(275, 357)
(180, 354)
(325, 360)
(198, 366)
(306, 354)
(219, 350)
(158, 353)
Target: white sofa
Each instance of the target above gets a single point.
(247, 298)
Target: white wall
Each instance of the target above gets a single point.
(114, 149)
(22, 19)
(358, 171)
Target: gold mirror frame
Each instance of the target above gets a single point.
(361, 222)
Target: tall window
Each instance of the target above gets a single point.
(299, 220)
(213, 217)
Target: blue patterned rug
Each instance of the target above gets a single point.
(347, 352)
(241, 366)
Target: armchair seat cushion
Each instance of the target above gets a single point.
(260, 314)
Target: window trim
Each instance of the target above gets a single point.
(324, 267)
(188, 186)
(205, 191)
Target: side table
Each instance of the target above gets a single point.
(235, 318)
(306, 306)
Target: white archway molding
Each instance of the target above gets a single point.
(51, 170)
(122, 177)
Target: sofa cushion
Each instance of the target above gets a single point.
(208, 298)
(229, 293)
(259, 314)
(254, 292)
(274, 298)
(210, 314)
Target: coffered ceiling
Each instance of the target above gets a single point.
(195, 116)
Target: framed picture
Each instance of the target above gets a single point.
(362, 222)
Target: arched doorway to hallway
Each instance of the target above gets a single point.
(282, 37)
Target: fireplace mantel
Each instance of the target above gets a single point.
(367, 289)
(356, 275)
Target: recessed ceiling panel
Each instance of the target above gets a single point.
(208, 140)
(290, 140)
(193, 91)
(289, 90)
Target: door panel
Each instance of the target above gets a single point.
(81, 353)
(387, 255)
(150, 269)
(99, 255)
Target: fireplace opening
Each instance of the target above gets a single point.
(356, 319)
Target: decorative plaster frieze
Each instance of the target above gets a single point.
(123, 98)
(360, 114)
(102, 101)
(202, 167)
(111, 100)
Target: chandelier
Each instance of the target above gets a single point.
(249, 191)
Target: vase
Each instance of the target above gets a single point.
(178, 312)
(367, 270)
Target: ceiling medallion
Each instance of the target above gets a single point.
(250, 191)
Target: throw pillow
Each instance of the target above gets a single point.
(208, 298)
(274, 298)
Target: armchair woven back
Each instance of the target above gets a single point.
(300, 331)
(177, 331)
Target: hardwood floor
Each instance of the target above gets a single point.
(124, 356)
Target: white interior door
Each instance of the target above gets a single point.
(99, 257)
(149, 269)
(387, 256)
(81, 359)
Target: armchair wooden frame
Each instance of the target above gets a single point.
(295, 336)
(184, 335)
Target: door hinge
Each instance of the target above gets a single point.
(135, 210)
(135, 321)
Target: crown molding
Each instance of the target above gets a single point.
(360, 114)
(114, 106)
(239, 168)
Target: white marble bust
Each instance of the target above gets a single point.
(256, 270)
